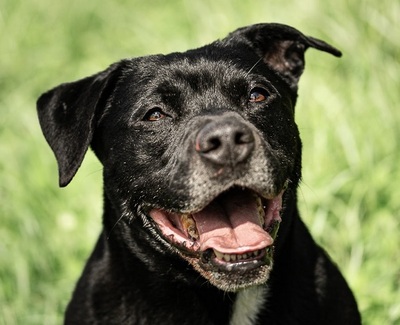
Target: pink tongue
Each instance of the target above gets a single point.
(231, 225)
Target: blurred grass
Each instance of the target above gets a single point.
(347, 112)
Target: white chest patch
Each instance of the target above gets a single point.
(248, 304)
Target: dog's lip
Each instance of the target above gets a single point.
(248, 227)
(209, 260)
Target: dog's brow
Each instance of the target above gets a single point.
(255, 64)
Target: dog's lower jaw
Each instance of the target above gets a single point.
(231, 281)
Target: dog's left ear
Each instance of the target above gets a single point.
(282, 47)
(68, 115)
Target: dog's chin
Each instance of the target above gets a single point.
(233, 276)
(230, 241)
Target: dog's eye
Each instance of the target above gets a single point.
(258, 94)
(155, 114)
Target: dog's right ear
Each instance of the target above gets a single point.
(68, 115)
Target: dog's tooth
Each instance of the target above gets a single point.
(260, 209)
(258, 201)
(227, 257)
(219, 255)
(189, 225)
(236, 257)
(192, 231)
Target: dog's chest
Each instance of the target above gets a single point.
(248, 305)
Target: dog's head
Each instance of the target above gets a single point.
(200, 149)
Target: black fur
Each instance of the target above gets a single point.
(181, 134)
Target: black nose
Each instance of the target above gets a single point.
(225, 142)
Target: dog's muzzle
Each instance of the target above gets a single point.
(228, 238)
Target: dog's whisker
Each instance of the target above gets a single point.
(255, 64)
(173, 167)
(113, 227)
(94, 172)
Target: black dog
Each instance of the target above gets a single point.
(202, 159)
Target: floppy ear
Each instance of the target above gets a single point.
(282, 47)
(68, 115)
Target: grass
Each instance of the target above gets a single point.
(347, 113)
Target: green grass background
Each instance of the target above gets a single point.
(348, 113)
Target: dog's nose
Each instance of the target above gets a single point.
(227, 142)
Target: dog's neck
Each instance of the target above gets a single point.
(248, 304)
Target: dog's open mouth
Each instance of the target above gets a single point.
(235, 231)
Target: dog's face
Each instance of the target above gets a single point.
(200, 149)
(193, 150)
